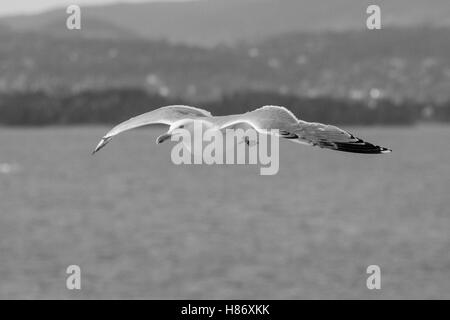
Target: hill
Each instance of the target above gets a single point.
(215, 22)
(397, 64)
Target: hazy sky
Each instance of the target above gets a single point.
(9, 7)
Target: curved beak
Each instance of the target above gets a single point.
(163, 138)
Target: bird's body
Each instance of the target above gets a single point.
(263, 120)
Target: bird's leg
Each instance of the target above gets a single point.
(249, 142)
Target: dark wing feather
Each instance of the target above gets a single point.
(331, 137)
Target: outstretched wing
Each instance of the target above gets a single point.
(165, 115)
(314, 134)
(331, 137)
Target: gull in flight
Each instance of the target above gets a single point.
(263, 120)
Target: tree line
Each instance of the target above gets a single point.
(114, 105)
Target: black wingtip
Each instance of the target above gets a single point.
(361, 146)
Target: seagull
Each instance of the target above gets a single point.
(262, 120)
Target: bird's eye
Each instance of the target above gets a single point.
(181, 127)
